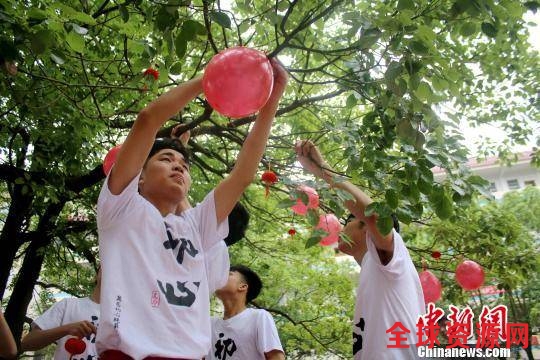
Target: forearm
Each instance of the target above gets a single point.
(8, 347)
(274, 355)
(37, 339)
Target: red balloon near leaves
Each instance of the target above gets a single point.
(470, 275)
(330, 224)
(110, 159)
(313, 200)
(431, 286)
(436, 255)
(238, 81)
(75, 346)
(268, 178)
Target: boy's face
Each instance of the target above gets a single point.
(356, 230)
(235, 283)
(166, 173)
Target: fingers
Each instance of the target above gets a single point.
(304, 148)
(82, 329)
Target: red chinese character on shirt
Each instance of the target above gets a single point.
(492, 327)
(428, 326)
(518, 334)
(460, 328)
(399, 330)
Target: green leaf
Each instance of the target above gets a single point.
(418, 47)
(385, 224)
(164, 19)
(423, 92)
(41, 41)
(79, 29)
(371, 209)
(391, 198)
(405, 4)
(124, 13)
(351, 101)
(393, 71)
(467, 29)
(489, 29)
(441, 203)
(369, 38)
(286, 203)
(221, 18)
(75, 41)
(312, 217)
(20, 181)
(189, 30)
(176, 68)
(180, 46)
(316, 237)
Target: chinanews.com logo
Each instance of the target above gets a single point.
(494, 335)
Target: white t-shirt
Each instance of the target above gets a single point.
(155, 294)
(69, 311)
(248, 335)
(386, 294)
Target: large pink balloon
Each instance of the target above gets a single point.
(238, 81)
(469, 275)
(110, 159)
(431, 286)
(330, 224)
(313, 200)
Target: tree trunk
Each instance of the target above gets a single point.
(30, 270)
(18, 211)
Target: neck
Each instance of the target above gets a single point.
(233, 307)
(165, 205)
(95, 295)
(183, 206)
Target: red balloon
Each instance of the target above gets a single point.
(313, 200)
(436, 254)
(75, 346)
(110, 159)
(330, 224)
(431, 286)
(238, 81)
(469, 275)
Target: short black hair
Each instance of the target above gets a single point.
(238, 222)
(253, 281)
(168, 143)
(394, 220)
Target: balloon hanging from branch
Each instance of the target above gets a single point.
(301, 207)
(330, 224)
(431, 286)
(470, 275)
(238, 81)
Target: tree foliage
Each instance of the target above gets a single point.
(371, 82)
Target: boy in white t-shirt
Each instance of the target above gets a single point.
(243, 333)
(389, 289)
(155, 300)
(70, 317)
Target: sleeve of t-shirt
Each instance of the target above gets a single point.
(217, 266)
(113, 208)
(205, 214)
(53, 317)
(396, 266)
(267, 334)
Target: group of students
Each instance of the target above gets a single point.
(161, 259)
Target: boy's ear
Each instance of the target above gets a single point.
(243, 286)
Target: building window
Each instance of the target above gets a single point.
(529, 183)
(492, 187)
(513, 184)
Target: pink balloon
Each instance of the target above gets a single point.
(238, 81)
(469, 275)
(431, 286)
(330, 224)
(313, 200)
(110, 159)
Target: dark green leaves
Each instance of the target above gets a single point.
(441, 203)
(489, 29)
(41, 41)
(221, 18)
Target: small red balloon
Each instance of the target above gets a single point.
(292, 232)
(436, 254)
(330, 224)
(110, 159)
(238, 81)
(313, 200)
(269, 178)
(75, 346)
(431, 286)
(469, 275)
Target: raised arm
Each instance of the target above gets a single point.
(229, 190)
(8, 347)
(37, 338)
(312, 161)
(139, 141)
